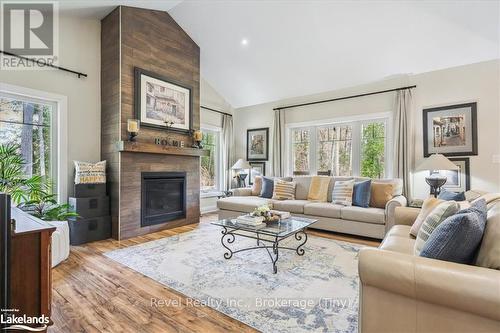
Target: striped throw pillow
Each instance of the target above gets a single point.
(284, 190)
(431, 222)
(90, 173)
(342, 192)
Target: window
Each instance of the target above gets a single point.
(373, 150)
(301, 138)
(335, 150)
(210, 174)
(355, 148)
(28, 122)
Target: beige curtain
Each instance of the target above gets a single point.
(403, 140)
(278, 166)
(227, 150)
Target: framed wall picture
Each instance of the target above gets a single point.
(451, 130)
(458, 180)
(258, 144)
(258, 169)
(160, 101)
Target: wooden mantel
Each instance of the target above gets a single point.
(151, 148)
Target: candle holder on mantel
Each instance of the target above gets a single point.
(197, 138)
(133, 126)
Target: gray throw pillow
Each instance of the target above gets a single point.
(458, 237)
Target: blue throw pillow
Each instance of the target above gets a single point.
(267, 188)
(456, 196)
(458, 237)
(361, 193)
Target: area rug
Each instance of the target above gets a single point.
(317, 292)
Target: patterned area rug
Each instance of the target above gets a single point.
(317, 292)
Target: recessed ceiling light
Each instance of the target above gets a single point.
(244, 42)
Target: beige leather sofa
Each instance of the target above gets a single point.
(369, 222)
(401, 292)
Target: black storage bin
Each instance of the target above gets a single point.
(90, 229)
(90, 207)
(90, 190)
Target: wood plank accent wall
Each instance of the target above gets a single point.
(151, 40)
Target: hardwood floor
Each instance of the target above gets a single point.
(92, 293)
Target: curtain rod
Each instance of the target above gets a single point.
(40, 63)
(206, 108)
(345, 97)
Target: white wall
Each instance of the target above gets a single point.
(79, 49)
(476, 82)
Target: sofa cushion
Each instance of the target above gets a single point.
(324, 209)
(257, 185)
(397, 185)
(369, 215)
(283, 190)
(267, 187)
(398, 244)
(241, 204)
(318, 190)
(342, 192)
(427, 207)
(332, 183)
(436, 217)
(380, 194)
(457, 238)
(292, 206)
(361, 193)
(302, 187)
(489, 250)
(400, 231)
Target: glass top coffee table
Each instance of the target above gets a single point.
(267, 235)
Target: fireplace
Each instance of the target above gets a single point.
(163, 197)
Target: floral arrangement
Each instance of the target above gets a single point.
(265, 211)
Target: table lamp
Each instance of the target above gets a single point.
(241, 164)
(434, 164)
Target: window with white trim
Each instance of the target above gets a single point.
(355, 148)
(210, 166)
(30, 124)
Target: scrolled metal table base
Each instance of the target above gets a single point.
(228, 238)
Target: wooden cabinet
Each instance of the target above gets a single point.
(30, 276)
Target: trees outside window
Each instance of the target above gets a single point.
(27, 124)
(300, 150)
(373, 148)
(356, 148)
(209, 170)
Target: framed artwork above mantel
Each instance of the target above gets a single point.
(162, 103)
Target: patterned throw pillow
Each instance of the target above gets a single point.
(436, 217)
(448, 195)
(284, 190)
(458, 237)
(318, 190)
(427, 207)
(90, 173)
(342, 192)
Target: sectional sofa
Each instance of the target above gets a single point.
(368, 222)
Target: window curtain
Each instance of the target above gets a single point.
(278, 167)
(227, 151)
(403, 140)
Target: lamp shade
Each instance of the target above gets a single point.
(436, 162)
(241, 164)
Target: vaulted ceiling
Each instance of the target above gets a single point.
(296, 48)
